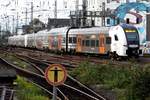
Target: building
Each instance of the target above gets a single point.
(106, 5)
(57, 23)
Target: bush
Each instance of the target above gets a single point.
(28, 91)
(133, 79)
(141, 84)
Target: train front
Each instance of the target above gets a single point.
(126, 40)
(133, 40)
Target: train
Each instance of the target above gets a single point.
(116, 41)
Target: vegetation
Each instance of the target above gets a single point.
(130, 81)
(27, 91)
(34, 26)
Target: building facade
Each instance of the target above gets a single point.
(106, 5)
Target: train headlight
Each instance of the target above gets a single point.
(133, 46)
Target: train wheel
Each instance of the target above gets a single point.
(114, 56)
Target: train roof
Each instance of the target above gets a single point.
(90, 30)
(42, 31)
(59, 30)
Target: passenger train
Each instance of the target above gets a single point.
(121, 40)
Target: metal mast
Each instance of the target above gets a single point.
(103, 13)
(55, 12)
(77, 14)
(26, 16)
(32, 13)
(84, 8)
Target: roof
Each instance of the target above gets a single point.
(59, 30)
(90, 30)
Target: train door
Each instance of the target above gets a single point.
(79, 44)
(102, 43)
(50, 42)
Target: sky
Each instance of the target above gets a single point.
(12, 8)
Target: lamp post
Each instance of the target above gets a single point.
(17, 21)
(15, 30)
(32, 13)
(7, 22)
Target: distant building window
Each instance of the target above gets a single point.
(108, 21)
(108, 1)
(108, 9)
(116, 37)
(118, 20)
(127, 20)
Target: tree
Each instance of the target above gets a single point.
(34, 26)
(37, 25)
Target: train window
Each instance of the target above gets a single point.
(64, 40)
(74, 39)
(116, 37)
(97, 43)
(92, 43)
(70, 39)
(87, 43)
(108, 40)
(83, 42)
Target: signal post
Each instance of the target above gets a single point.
(55, 75)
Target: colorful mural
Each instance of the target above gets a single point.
(134, 11)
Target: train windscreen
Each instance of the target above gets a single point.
(132, 36)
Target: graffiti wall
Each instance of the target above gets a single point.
(138, 19)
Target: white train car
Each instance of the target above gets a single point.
(91, 40)
(21, 41)
(30, 40)
(41, 39)
(125, 40)
(13, 40)
(10, 40)
(57, 38)
(121, 40)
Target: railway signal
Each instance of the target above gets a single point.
(55, 75)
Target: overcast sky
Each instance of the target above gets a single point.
(11, 7)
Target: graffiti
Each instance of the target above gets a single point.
(138, 16)
(134, 11)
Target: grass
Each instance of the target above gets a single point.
(127, 80)
(28, 91)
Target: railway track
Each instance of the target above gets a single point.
(7, 75)
(34, 77)
(70, 90)
(62, 59)
(6, 93)
(69, 61)
(71, 83)
(76, 90)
